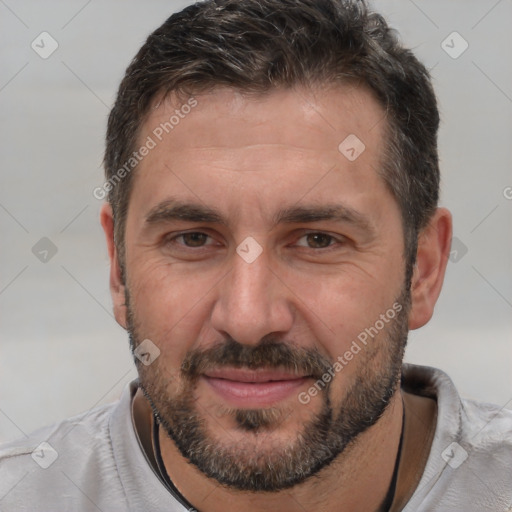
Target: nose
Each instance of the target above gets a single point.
(252, 302)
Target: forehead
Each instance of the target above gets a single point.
(315, 118)
(225, 144)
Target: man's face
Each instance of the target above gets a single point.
(260, 253)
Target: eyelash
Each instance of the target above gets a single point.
(333, 240)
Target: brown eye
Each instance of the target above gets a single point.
(319, 240)
(194, 239)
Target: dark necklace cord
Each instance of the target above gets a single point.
(161, 468)
(390, 496)
(386, 504)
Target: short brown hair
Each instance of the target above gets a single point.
(256, 46)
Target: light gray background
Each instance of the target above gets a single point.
(61, 351)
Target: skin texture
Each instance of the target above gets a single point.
(247, 158)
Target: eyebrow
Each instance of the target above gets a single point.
(172, 210)
(329, 212)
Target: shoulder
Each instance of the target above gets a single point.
(470, 460)
(88, 427)
(68, 461)
(486, 432)
(473, 422)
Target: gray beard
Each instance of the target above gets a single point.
(316, 444)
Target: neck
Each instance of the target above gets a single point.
(358, 479)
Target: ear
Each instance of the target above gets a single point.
(434, 243)
(117, 286)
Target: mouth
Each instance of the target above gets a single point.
(254, 388)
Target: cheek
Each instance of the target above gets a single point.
(171, 306)
(343, 304)
(351, 322)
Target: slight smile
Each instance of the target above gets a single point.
(253, 388)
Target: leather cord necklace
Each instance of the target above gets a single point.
(385, 506)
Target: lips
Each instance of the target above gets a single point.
(250, 388)
(255, 376)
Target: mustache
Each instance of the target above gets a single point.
(269, 354)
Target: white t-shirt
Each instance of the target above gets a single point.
(93, 462)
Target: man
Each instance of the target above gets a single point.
(273, 231)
